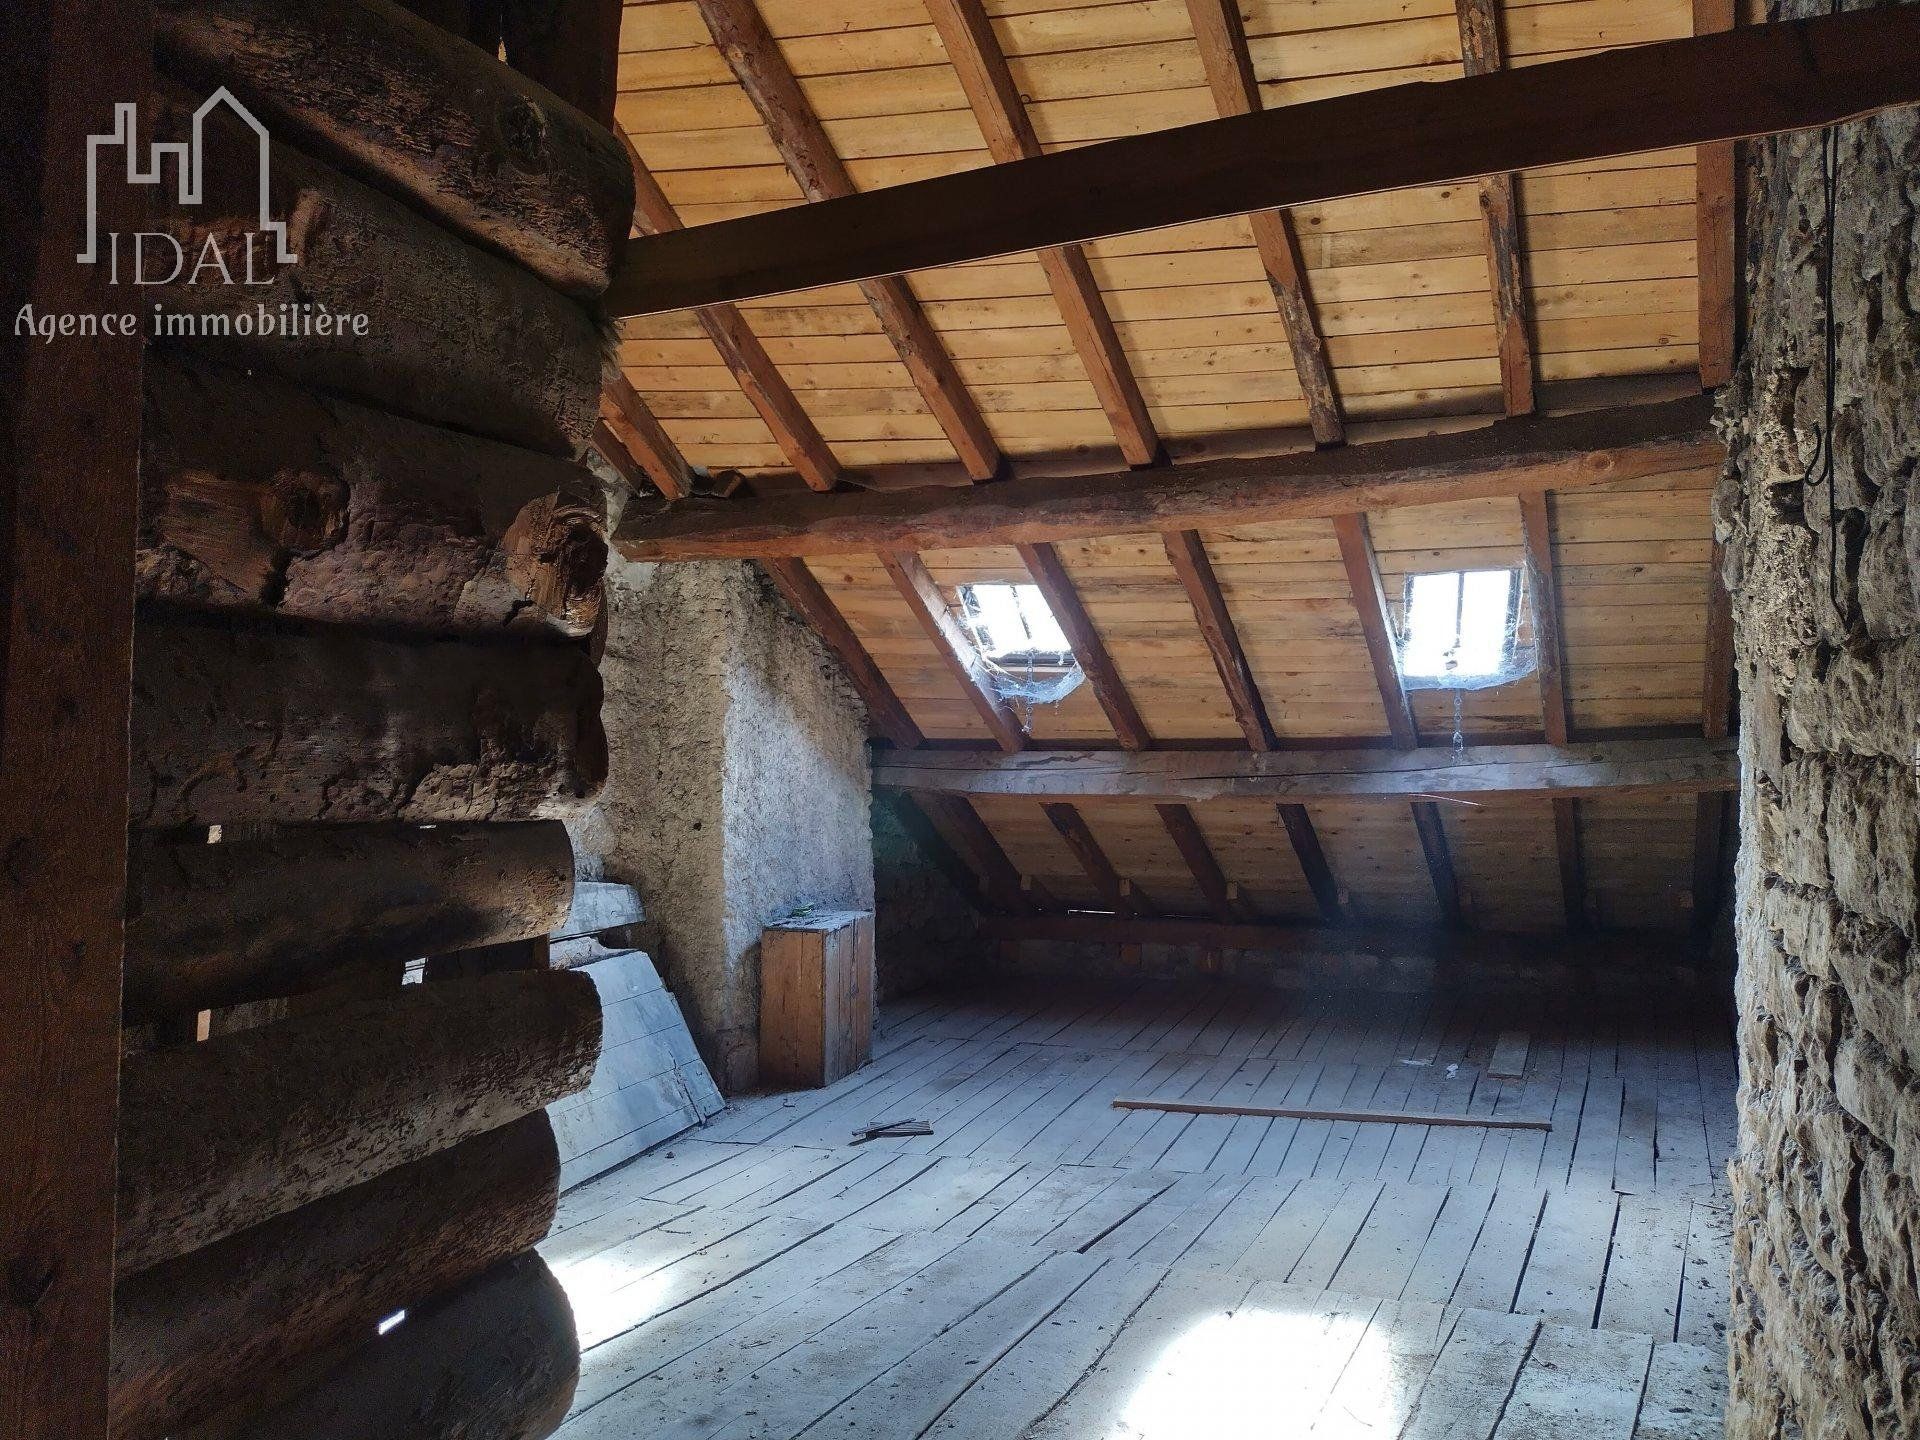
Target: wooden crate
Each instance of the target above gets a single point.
(816, 997)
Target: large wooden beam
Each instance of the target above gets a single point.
(967, 33)
(420, 113)
(285, 912)
(1228, 66)
(1536, 528)
(1188, 556)
(740, 349)
(69, 501)
(957, 651)
(204, 1333)
(1481, 54)
(1759, 80)
(885, 710)
(1504, 458)
(1376, 624)
(755, 59)
(218, 1137)
(1485, 773)
(273, 499)
(234, 725)
(1714, 205)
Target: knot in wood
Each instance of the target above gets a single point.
(304, 510)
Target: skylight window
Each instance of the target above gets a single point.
(1460, 628)
(1013, 626)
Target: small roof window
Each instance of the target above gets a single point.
(1461, 630)
(1013, 627)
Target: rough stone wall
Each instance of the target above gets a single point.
(738, 785)
(1818, 512)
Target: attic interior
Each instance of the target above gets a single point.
(960, 718)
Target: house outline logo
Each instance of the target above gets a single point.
(189, 167)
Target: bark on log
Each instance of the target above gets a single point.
(213, 925)
(223, 1135)
(498, 1359)
(452, 335)
(237, 723)
(421, 114)
(201, 1333)
(264, 497)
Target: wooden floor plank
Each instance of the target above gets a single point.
(1686, 1394)
(1568, 1261)
(1577, 1382)
(1709, 1266)
(1645, 1267)
(1472, 1377)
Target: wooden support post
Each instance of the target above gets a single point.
(1481, 53)
(1236, 91)
(885, 710)
(960, 655)
(1716, 229)
(755, 58)
(69, 500)
(740, 349)
(967, 33)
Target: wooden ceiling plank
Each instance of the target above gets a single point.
(968, 35)
(963, 829)
(626, 416)
(1056, 588)
(755, 59)
(1714, 189)
(1536, 528)
(1120, 895)
(740, 349)
(1188, 556)
(957, 650)
(1228, 66)
(1481, 53)
(1510, 456)
(803, 592)
(1486, 773)
(1191, 842)
(1370, 602)
(1753, 80)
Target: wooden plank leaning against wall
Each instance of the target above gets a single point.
(69, 425)
(365, 566)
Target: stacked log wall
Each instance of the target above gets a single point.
(370, 562)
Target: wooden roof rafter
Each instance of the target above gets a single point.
(755, 59)
(1228, 66)
(968, 35)
(740, 349)
(1481, 54)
